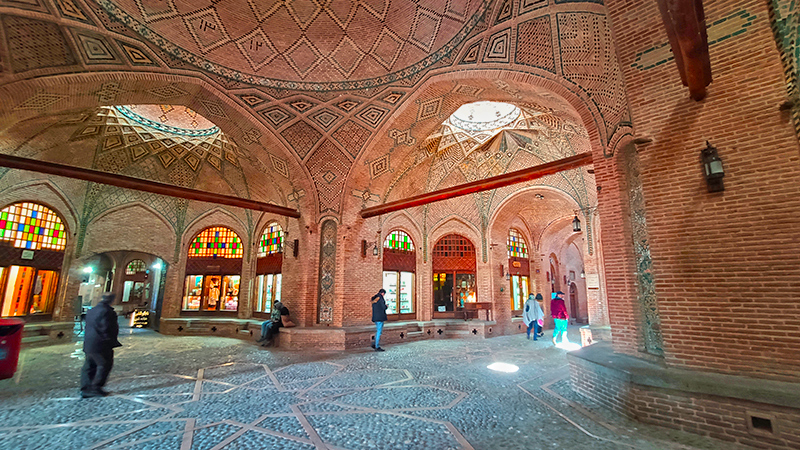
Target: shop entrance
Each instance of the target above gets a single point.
(454, 269)
(399, 265)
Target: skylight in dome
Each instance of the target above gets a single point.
(484, 116)
(180, 120)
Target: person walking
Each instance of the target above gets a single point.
(532, 315)
(538, 317)
(100, 340)
(559, 312)
(378, 316)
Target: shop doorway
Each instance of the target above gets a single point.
(454, 280)
(399, 266)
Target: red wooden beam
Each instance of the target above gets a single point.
(685, 23)
(96, 176)
(499, 181)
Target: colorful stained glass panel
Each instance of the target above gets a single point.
(135, 266)
(271, 241)
(516, 244)
(398, 240)
(216, 242)
(32, 226)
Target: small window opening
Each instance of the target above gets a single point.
(761, 424)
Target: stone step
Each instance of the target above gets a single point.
(34, 339)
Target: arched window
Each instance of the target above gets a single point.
(135, 266)
(398, 240)
(268, 269)
(271, 241)
(516, 244)
(399, 267)
(213, 271)
(518, 269)
(33, 227)
(30, 281)
(216, 242)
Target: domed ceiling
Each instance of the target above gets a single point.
(308, 40)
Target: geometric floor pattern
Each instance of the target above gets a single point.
(187, 393)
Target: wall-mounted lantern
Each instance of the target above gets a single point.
(576, 224)
(712, 168)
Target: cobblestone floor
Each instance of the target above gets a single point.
(214, 393)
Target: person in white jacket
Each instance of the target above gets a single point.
(533, 316)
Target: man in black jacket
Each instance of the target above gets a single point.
(102, 331)
(378, 316)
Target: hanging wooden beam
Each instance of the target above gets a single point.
(488, 184)
(96, 176)
(685, 22)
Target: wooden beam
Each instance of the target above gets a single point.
(499, 181)
(96, 176)
(685, 23)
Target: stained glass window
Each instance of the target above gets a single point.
(216, 242)
(134, 267)
(398, 240)
(271, 240)
(516, 244)
(32, 226)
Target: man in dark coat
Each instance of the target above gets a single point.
(378, 316)
(102, 331)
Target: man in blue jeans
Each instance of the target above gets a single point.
(378, 316)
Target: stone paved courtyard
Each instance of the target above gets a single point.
(217, 393)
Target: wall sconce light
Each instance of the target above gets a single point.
(583, 274)
(576, 224)
(88, 269)
(294, 245)
(365, 244)
(712, 167)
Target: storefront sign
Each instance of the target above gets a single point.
(27, 254)
(140, 318)
(516, 264)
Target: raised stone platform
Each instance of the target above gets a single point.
(747, 411)
(47, 333)
(330, 338)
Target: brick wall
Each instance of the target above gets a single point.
(717, 417)
(726, 265)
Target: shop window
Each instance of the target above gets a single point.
(34, 238)
(135, 266)
(32, 227)
(28, 291)
(271, 241)
(399, 265)
(516, 244)
(216, 242)
(211, 293)
(268, 288)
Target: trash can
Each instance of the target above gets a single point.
(10, 340)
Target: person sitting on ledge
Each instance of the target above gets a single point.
(278, 318)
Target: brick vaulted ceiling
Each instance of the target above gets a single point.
(332, 100)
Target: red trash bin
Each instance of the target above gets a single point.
(10, 340)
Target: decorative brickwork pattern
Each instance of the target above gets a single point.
(327, 271)
(352, 136)
(34, 44)
(328, 167)
(301, 138)
(535, 44)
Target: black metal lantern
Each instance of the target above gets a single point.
(576, 224)
(712, 168)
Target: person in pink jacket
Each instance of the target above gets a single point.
(559, 312)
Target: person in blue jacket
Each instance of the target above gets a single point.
(378, 316)
(100, 340)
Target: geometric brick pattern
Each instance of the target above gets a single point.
(498, 47)
(535, 44)
(328, 167)
(588, 59)
(301, 138)
(95, 49)
(327, 271)
(34, 44)
(352, 136)
(373, 115)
